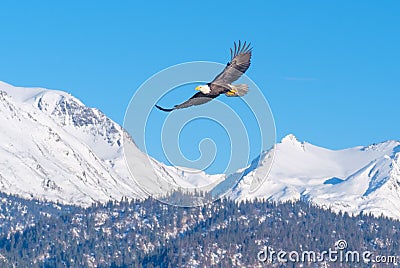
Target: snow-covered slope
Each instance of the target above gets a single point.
(358, 179)
(54, 147)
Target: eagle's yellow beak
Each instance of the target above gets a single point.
(198, 88)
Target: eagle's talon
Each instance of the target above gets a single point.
(231, 92)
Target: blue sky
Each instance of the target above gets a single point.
(330, 70)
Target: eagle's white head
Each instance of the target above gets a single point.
(205, 89)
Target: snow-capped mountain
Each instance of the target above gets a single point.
(54, 147)
(353, 180)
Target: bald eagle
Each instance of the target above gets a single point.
(222, 83)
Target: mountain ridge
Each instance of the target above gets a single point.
(70, 153)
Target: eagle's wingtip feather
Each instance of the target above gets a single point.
(163, 109)
(240, 48)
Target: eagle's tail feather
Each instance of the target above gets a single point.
(164, 109)
(238, 90)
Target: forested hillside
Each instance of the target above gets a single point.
(152, 234)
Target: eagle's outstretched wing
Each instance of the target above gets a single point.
(196, 99)
(240, 62)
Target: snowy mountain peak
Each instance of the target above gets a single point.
(353, 180)
(28, 94)
(56, 148)
(290, 138)
(290, 141)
